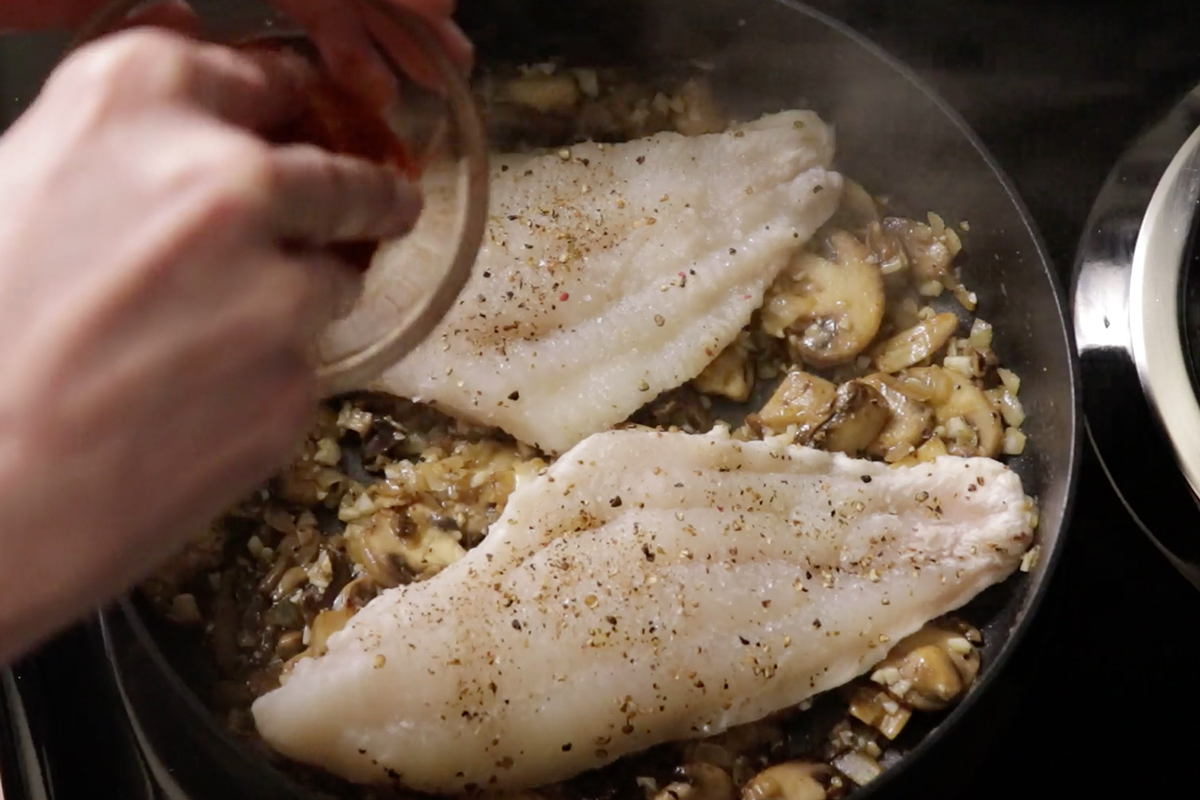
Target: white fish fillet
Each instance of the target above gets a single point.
(649, 587)
(614, 275)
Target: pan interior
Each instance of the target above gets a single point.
(894, 137)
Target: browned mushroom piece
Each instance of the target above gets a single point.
(931, 669)
(931, 252)
(803, 400)
(859, 416)
(829, 310)
(888, 250)
(324, 625)
(916, 344)
(547, 93)
(730, 374)
(873, 706)
(909, 423)
(972, 424)
(932, 385)
(355, 594)
(290, 644)
(699, 781)
(792, 780)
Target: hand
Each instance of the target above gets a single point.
(154, 363)
(341, 29)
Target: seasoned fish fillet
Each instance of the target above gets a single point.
(648, 587)
(613, 273)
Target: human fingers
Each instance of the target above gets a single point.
(175, 15)
(248, 89)
(333, 289)
(237, 431)
(439, 14)
(407, 51)
(347, 43)
(316, 198)
(345, 47)
(403, 48)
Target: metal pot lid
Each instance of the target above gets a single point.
(1136, 300)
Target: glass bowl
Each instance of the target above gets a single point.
(407, 293)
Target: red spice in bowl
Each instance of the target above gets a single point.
(337, 120)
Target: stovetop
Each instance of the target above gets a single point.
(1096, 692)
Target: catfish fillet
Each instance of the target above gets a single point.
(648, 587)
(610, 273)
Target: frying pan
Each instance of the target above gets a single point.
(894, 136)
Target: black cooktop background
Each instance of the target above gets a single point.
(1098, 694)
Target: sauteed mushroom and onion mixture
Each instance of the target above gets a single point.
(865, 344)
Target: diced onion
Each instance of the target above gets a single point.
(1010, 380)
(1012, 410)
(857, 767)
(981, 335)
(959, 364)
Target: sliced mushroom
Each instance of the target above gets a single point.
(355, 594)
(930, 669)
(926, 384)
(793, 780)
(324, 625)
(973, 426)
(916, 344)
(908, 425)
(828, 310)
(731, 374)
(557, 93)
(803, 400)
(699, 782)
(290, 644)
(930, 252)
(291, 580)
(859, 416)
(888, 250)
(873, 706)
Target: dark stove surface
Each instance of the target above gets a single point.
(1096, 693)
